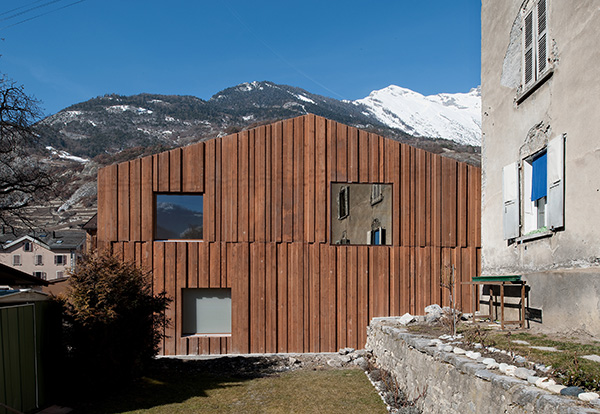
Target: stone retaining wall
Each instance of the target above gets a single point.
(453, 383)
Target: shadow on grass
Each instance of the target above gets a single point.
(169, 381)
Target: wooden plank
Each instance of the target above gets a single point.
(192, 265)
(353, 155)
(233, 188)
(405, 199)
(129, 252)
(394, 292)
(436, 201)
(224, 201)
(374, 159)
(413, 198)
(314, 294)
(342, 153)
(214, 252)
(271, 297)
(298, 183)
(394, 178)
(111, 206)
(412, 295)
(251, 179)
(428, 204)
(218, 190)
(203, 265)
(135, 194)
(238, 264)
(382, 158)
(404, 253)
(309, 178)
(268, 183)
(224, 276)
(462, 205)
(449, 199)
(209, 195)
(282, 294)
(295, 297)
(306, 297)
(331, 162)
(321, 183)
(342, 292)
(170, 288)
(147, 200)
(155, 172)
(325, 297)
(257, 297)
(436, 265)
(242, 228)
(259, 185)
(420, 185)
(175, 170)
(181, 343)
(277, 180)
(363, 294)
(147, 258)
(193, 168)
(352, 297)
(288, 181)
(163, 172)
(363, 161)
(123, 202)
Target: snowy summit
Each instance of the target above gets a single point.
(456, 117)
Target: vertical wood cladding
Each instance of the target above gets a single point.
(266, 233)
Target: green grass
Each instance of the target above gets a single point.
(569, 366)
(302, 391)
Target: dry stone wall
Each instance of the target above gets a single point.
(455, 384)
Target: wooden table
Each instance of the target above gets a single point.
(501, 281)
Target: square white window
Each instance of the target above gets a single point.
(206, 311)
(39, 260)
(16, 260)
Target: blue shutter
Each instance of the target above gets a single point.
(539, 185)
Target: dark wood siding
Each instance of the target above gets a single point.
(266, 233)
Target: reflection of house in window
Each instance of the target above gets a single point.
(343, 202)
(376, 194)
(206, 311)
(179, 217)
(376, 235)
(370, 203)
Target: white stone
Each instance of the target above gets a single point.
(545, 384)
(406, 319)
(532, 379)
(474, 355)
(502, 367)
(546, 348)
(435, 308)
(595, 358)
(445, 337)
(588, 396)
(488, 361)
(510, 370)
(539, 381)
(478, 346)
(520, 342)
(492, 349)
(495, 365)
(435, 342)
(555, 388)
(459, 351)
(524, 373)
(448, 348)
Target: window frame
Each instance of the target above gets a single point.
(155, 217)
(63, 259)
(39, 262)
(187, 294)
(541, 63)
(16, 260)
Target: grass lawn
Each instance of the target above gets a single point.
(175, 390)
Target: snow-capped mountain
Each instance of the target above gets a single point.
(456, 117)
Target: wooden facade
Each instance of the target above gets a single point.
(266, 233)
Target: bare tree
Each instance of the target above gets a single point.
(24, 180)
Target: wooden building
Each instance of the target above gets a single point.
(266, 234)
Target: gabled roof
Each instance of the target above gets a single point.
(22, 295)
(52, 240)
(14, 277)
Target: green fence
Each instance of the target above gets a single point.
(28, 335)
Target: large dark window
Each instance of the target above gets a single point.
(178, 217)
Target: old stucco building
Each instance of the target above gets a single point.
(541, 155)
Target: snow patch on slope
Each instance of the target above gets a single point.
(451, 116)
(66, 156)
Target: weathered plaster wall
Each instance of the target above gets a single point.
(565, 104)
(456, 384)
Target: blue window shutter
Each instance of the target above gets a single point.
(538, 180)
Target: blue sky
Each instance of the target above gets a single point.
(342, 49)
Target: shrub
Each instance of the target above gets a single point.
(113, 322)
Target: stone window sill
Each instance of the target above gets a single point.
(535, 236)
(521, 96)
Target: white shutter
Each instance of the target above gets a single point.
(368, 237)
(556, 187)
(542, 37)
(510, 199)
(528, 57)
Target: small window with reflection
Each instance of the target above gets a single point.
(179, 217)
